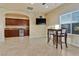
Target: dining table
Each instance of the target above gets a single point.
(56, 30)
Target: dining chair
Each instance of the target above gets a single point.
(53, 33)
(62, 34)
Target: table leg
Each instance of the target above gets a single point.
(48, 36)
(56, 39)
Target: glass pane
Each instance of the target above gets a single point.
(65, 19)
(75, 28)
(75, 17)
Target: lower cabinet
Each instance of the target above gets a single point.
(15, 33)
(26, 32)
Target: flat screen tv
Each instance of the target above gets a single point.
(40, 21)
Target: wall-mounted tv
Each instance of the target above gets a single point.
(40, 21)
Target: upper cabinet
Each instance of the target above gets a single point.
(17, 22)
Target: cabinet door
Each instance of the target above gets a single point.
(26, 22)
(23, 22)
(10, 21)
(26, 32)
(11, 33)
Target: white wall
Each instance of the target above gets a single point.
(35, 30)
(2, 24)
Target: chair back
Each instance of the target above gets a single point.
(64, 31)
(52, 32)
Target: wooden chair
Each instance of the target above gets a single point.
(62, 33)
(53, 33)
(57, 36)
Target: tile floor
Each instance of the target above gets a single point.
(34, 47)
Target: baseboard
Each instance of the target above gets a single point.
(75, 44)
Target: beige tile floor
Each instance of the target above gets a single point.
(34, 47)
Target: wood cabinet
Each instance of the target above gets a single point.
(26, 32)
(11, 33)
(14, 32)
(11, 21)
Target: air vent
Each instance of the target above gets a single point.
(30, 8)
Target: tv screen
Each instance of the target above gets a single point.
(40, 21)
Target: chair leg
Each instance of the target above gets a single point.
(48, 37)
(56, 42)
(61, 41)
(53, 40)
(66, 41)
(48, 40)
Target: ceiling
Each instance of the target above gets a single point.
(36, 7)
